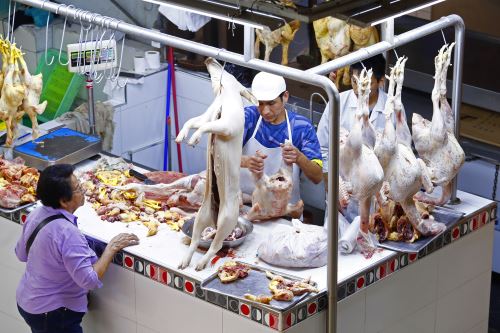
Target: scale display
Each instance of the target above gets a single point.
(96, 55)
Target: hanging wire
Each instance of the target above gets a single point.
(396, 53)
(12, 39)
(444, 38)
(8, 21)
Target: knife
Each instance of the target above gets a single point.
(143, 178)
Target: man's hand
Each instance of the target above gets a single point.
(290, 153)
(255, 163)
(332, 76)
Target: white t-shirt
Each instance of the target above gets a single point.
(348, 105)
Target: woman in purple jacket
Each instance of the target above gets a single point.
(60, 266)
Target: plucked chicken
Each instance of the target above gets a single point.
(33, 89)
(271, 196)
(283, 35)
(13, 92)
(404, 174)
(13, 82)
(358, 163)
(333, 38)
(434, 140)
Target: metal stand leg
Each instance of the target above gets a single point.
(90, 93)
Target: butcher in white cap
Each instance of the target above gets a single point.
(267, 126)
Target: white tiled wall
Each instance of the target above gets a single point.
(160, 307)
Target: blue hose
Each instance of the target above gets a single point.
(167, 119)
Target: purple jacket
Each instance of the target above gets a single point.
(59, 270)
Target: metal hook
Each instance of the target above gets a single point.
(62, 37)
(115, 78)
(48, 63)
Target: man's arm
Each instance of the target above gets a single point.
(311, 169)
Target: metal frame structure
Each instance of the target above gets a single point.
(312, 76)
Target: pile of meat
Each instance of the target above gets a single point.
(19, 91)
(392, 223)
(209, 233)
(111, 193)
(17, 183)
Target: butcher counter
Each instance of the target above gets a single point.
(443, 288)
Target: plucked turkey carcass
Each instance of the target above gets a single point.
(358, 163)
(271, 196)
(434, 140)
(283, 35)
(403, 172)
(333, 38)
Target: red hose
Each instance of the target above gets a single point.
(174, 95)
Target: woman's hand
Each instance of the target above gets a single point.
(121, 241)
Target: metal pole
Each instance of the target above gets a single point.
(333, 185)
(248, 42)
(90, 93)
(456, 96)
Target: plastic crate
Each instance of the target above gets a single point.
(60, 86)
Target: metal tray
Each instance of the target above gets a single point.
(243, 223)
(255, 283)
(15, 209)
(441, 214)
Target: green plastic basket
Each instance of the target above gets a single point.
(60, 86)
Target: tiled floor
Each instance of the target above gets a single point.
(494, 326)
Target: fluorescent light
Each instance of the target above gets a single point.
(407, 11)
(209, 14)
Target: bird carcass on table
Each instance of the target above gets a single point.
(224, 121)
(271, 196)
(358, 163)
(13, 92)
(283, 35)
(434, 140)
(403, 172)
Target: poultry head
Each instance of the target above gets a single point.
(436, 145)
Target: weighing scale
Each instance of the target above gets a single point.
(63, 145)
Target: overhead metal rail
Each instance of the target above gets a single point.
(313, 77)
(359, 12)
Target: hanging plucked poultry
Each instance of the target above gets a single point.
(19, 91)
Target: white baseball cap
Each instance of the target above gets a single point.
(266, 86)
